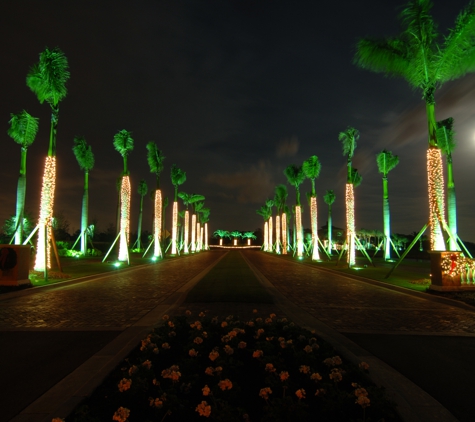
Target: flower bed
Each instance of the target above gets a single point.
(262, 369)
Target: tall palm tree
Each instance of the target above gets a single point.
(23, 130)
(47, 79)
(295, 177)
(329, 199)
(124, 144)
(348, 139)
(204, 218)
(386, 162)
(178, 178)
(264, 213)
(280, 197)
(155, 160)
(142, 191)
(85, 159)
(446, 142)
(311, 168)
(269, 205)
(425, 61)
(188, 199)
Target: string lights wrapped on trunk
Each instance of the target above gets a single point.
(350, 224)
(436, 198)
(284, 234)
(125, 195)
(157, 227)
(277, 234)
(313, 216)
(298, 228)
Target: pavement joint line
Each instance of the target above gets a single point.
(61, 399)
(414, 404)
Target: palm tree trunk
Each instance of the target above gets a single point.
(84, 213)
(266, 236)
(124, 218)
(198, 237)
(187, 229)
(386, 221)
(193, 233)
(277, 234)
(350, 224)
(20, 199)
(174, 227)
(157, 227)
(284, 233)
(313, 217)
(330, 231)
(206, 237)
(451, 205)
(299, 233)
(271, 246)
(139, 228)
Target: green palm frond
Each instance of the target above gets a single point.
(123, 142)
(270, 204)
(348, 139)
(280, 196)
(386, 161)
(236, 234)
(178, 176)
(264, 212)
(83, 153)
(295, 175)
(155, 158)
(195, 198)
(198, 206)
(47, 79)
(311, 167)
(446, 136)
(185, 197)
(204, 215)
(23, 128)
(329, 197)
(143, 188)
(356, 178)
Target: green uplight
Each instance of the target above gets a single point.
(117, 264)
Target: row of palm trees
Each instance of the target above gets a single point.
(221, 234)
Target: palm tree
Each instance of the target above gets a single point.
(386, 162)
(329, 199)
(295, 177)
(142, 191)
(249, 236)
(311, 168)
(221, 234)
(178, 178)
(264, 212)
(348, 139)
(269, 205)
(280, 196)
(155, 162)
(189, 199)
(446, 142)
(47, 79)
(420, 57)
(85, 159)
(124, 144)
(204, 218)
(236, 234)
(23, 130)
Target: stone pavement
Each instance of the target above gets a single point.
(85, 328)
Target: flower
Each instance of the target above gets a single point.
(272, 315)
(264, 393)
(304, 369)
(308, 349)
(364, 366)
(204, 409)
(206, 390)
(198, 340)
(268, 321)
(270, 367)
(228, 349)
(316, 377)
(242, 344)
(173, 373)
(147, 364)
(225, 384)
(213, 355)
(224, 324)
(257, 354)
(193, 353)
(284, 375)
(300, 393)
(170, 324)
(201, 314)
(165, 346)
(132, 370)
(259, 332)
(124, 384)
(188, 312)
(335, 360)
(209, 370)
(172, 334)
(336, 375)
(57, 420)
(121, 414)
(165, 317)
(363, 401)
(156, 402)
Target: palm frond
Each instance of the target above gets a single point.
(446, 136)
(123, 142)
(348, 139)
(155, 158)
(386, 161)
(83, 153)
(295, 175)
(48, 78)
(23, 128)
(143, 188)
(311, 167)
(356, 178)
(329, 197)
(178, 176)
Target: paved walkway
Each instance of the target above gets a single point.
(85, 328)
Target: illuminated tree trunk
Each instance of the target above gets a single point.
(299, 233)
(198, 237)
(193, 233)
(84, 213)
(277, 234)
(174, 227)
(157, 226)
(386, 221)
(330, 223)
(201, 237)
(313, 216)
(124, 218)
(206, 237)
(436, 198)
(284, 233)
(266, 236)
(350, 224)
(20, 199)
(451, 205)
(270, 244)
(187, 224)
(43, 252)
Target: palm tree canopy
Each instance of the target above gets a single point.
(329, 197)
(295, 175)
(386, 161)
(178, 176)
(446, 136)
(221, 233)
(143, 188)
(280, 196)
(123, 142)
(23, 128)
(204, 215)
(47, 78)
(417, 54)
(356, 178)
(155, 158)
(236, 234)
(198, 206)
(264, 212)
(249, 235)
(83, 153)
(270, 204)
(348, 139)
(311, 167)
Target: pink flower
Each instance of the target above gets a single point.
(364, 366)
(316, 377)
(242, 344)
(304, 369)
(224, 324)
(165, 346)
(156, 403)
(228, 349)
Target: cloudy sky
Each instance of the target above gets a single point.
(232, 92)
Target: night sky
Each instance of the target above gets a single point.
(232, 92)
